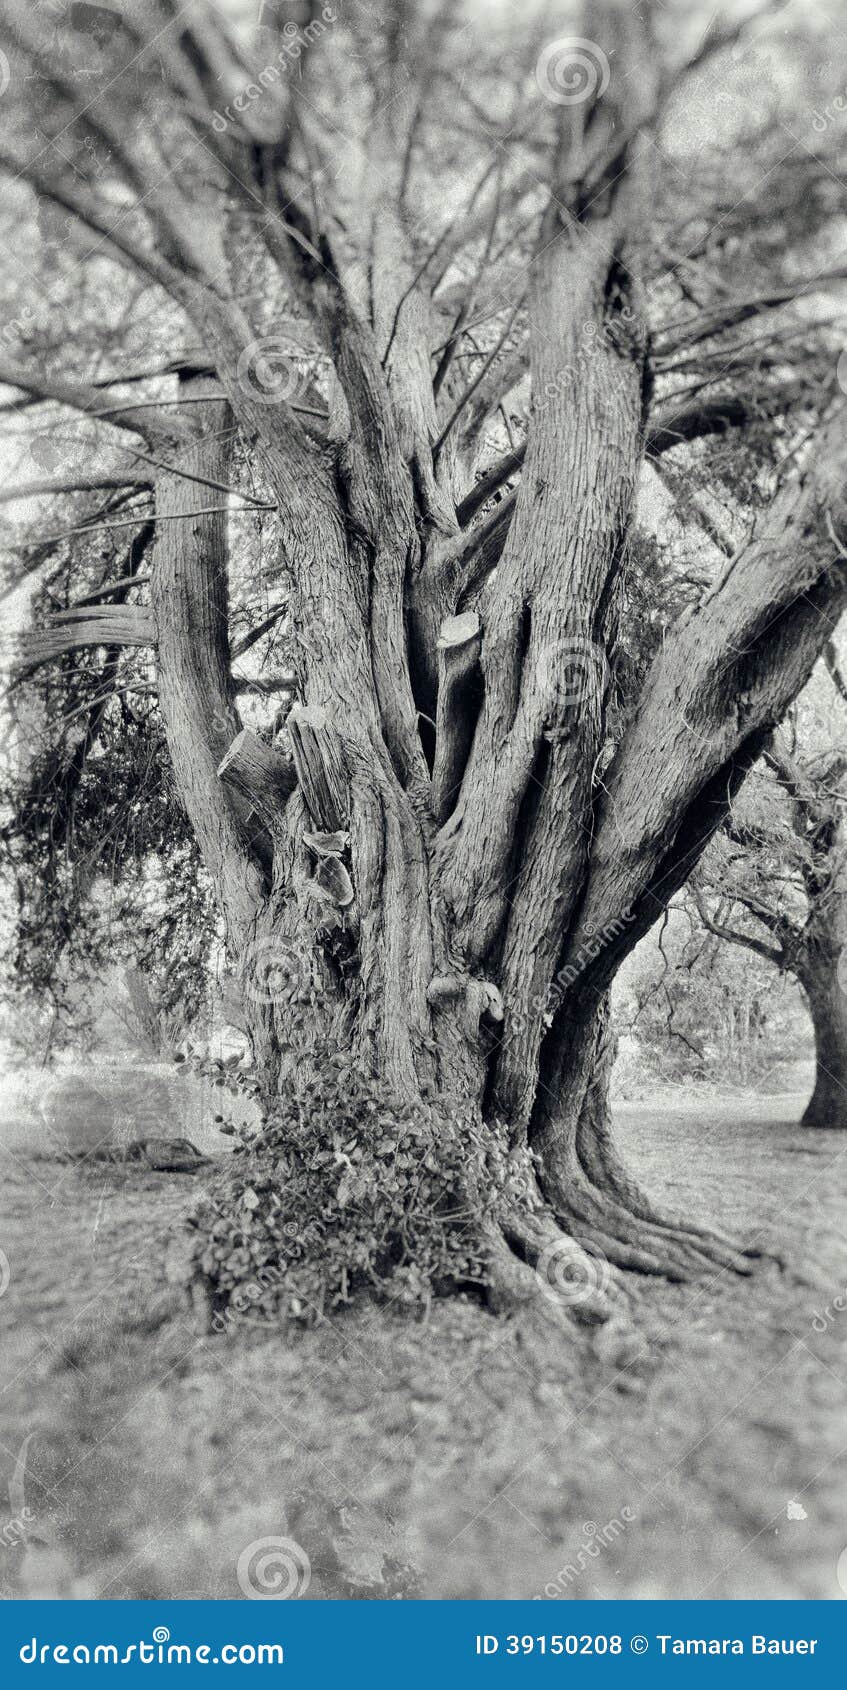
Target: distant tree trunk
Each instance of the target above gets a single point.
(820, 954)
(827, 1000)
(148, 1017)
(812, 948)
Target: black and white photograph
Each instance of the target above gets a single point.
(423, 813)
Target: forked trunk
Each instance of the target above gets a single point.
(432, 875)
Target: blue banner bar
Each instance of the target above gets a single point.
(391, 1644)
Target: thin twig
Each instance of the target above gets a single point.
(131, 522)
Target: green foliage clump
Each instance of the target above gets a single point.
(344, 1189)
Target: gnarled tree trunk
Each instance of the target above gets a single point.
(442, 862)
(458, 936)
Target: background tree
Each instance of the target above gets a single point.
(690, 1007)
(775, 879)
(351, 242)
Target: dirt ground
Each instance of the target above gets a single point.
(700, 1453)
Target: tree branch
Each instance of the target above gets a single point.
(489, 484)
(690, 331)
(769, 952)
(93, 484)
(676, 424)
(74, 394)
(94, 215)
(109, 625)
(722, 681)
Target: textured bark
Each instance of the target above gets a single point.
(263, 776)
(584, 1180)
(98, 625)
(825, 986)
(319, 766)
(348, 635)
(820, 959)
(189, 601)
(751, 644)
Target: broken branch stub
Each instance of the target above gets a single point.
(319, 761)
(334, 881)
(482, 999)
(326, 844)
(260, 773)
(330, 878)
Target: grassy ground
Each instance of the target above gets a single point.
(706, 1455)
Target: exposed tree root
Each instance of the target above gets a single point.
(642, 1242)
(596, 1201)
(537, 1267)
(566, 1271)
(607, 1211)
(606, 1172)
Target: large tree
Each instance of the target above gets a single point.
(363, 233)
